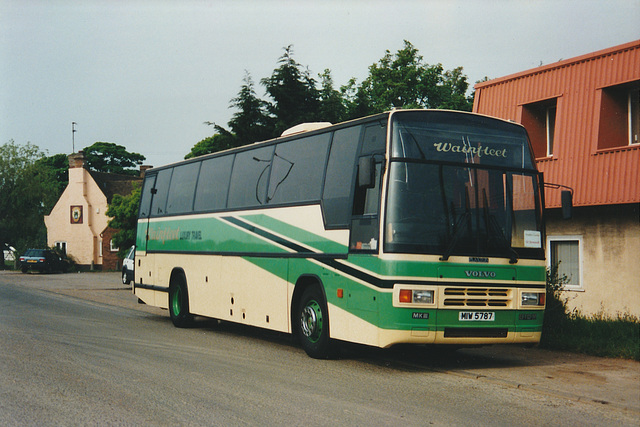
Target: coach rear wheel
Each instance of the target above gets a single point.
(313, 324)
(179, 303)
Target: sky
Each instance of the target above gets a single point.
(147, 74)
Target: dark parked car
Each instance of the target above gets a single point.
(44, 260)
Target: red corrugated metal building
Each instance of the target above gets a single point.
(583, 119)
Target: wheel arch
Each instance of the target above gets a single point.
(177, 273)
(304, 281)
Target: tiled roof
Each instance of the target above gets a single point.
(111, 183)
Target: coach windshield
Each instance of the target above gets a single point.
(462, 185)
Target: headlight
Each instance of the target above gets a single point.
(423, 297)
(532, 298)
(415, 296)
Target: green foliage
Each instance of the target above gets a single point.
(597, 335)
(218, 142)
(332, 105)
(403, 80)
(295, 96)
(123, 211)
(112, 158)
(55, 170)
(400, 80)
(25, 185)
(252, 122)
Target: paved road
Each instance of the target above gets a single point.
(77, 349)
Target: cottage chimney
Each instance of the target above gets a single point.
(77, 160)
(143, 169)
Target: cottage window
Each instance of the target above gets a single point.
(565, 252)
(61, 246)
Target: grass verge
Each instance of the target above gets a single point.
(596, 335)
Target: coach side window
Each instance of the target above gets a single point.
(298, 169)
(374, 140)
(250, 177)
(338, 184)
(183, 183)
(213, 184)
(159, 203)
(145, 197)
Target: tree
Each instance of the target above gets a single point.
(252, 122)
(123, 211)
(56, 170)
(400, 80)
(112, 158)
(357, 100)
(404, 80)
(332, 105)
(218, 142)
(24, 185)
(293, 91)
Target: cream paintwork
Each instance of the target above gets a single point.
(248, 296)
(352, 327)
(308, 218)
(362, 332)
(83, 240)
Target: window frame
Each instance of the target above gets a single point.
(550, 124)
(61, 245)
(634, 92)
(614, 117)
(569, 238)
(536, 118)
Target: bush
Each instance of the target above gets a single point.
(597, 335)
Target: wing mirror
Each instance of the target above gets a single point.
(566, 198)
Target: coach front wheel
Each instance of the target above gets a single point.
(312, 324)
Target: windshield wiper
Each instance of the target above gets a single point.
(492, 225)
(457, 228)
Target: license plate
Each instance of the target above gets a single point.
(31, 260)
(482, 316)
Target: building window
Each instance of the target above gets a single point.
(550, 116)
(619, 120)
(61, 246)
(112, 247)
(539, 118)
(634, 116)
(566, 253)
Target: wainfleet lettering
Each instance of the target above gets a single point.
(479, 151)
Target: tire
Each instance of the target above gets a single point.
(179, 303)
(125, 279)
(312, 324)
(24, 269)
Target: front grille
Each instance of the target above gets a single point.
(477, 297)
(475, 332)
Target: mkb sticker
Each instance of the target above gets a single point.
(76, 214)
